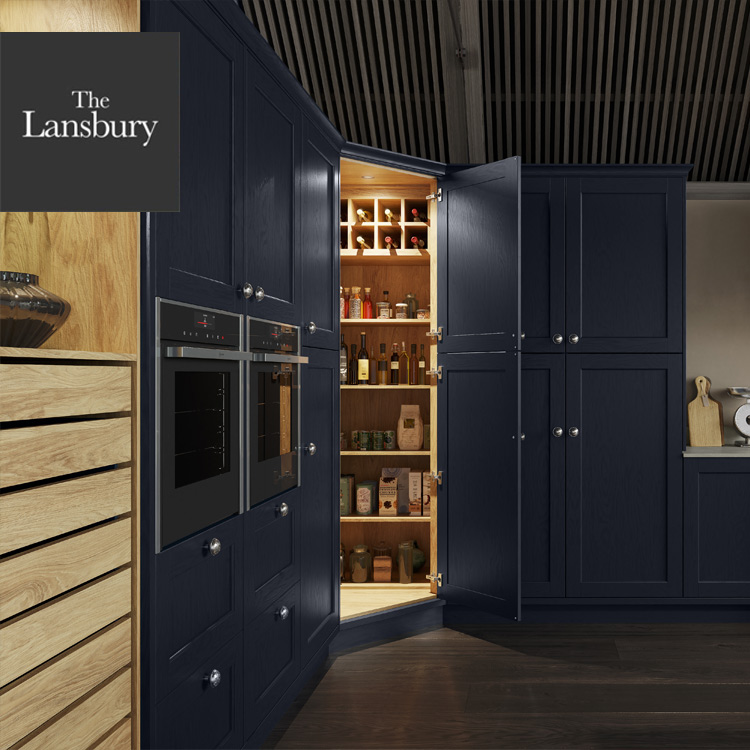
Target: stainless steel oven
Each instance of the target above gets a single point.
(199, 413)
(273, 392)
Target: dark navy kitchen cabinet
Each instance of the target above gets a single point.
(319, 200)
(543, 475)
(717, 519)
(623, 434)
(319, 471)
(199, 256)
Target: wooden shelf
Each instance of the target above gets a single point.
(385, 322)
(364, 454)
(359, 599)
(384, 387)
(385, 519)
(358, 259)
(12, 351)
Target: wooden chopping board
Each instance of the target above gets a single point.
(705, 417)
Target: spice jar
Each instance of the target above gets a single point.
(360, 564)
(355, 303)
(402, 310)
(383, 309)
(412, 305)
(423, 314)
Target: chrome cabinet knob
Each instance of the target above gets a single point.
(311, 327)
(523, 436)
(283, 612)
(283, 509)
(247, 290)
(214, 546)
(557, 431)
(523, 335)
(573, 338)
(213, 679)
(573, 432)
(311, 448)
(557, 338)
(259, 294)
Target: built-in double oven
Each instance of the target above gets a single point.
(227, 416)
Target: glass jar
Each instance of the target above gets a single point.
(383, 309)
(355, 303)
(367, 304)
(402, 310)
(412, 305)
(360, 564)
(405, 562)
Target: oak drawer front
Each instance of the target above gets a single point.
(31, 639)
(120, 739)
(32, 702)
(199, 714)
(45, 391)
(90, 719)
(29, 454)
(30, 578)
(33, 515)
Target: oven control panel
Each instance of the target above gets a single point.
(197, 325)
(265, 336)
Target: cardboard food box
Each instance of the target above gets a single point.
(415, 493)
(388, 496)
(402, 477)
(346, 492)
(426, 493)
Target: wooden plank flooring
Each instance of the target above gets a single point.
(533, 686)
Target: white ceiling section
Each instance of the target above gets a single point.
(554, 81)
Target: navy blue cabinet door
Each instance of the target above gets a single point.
(273, 155)
(717, 520)
(543, 475)
(319, 512)
(624, 475)
(199, 257)
(478, 258)
(543, 264)
(624, 256)
(319, 229)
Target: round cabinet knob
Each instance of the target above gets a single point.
(214, 546)
(311, 327)
(283, 613)
(573, 432)
(214, 678)
(573, 338)
(247, 290)
(557, 338)
(259, 294)
(311, 448)
(557, 431)
(523, 335)
(283, 509)
(523, 436)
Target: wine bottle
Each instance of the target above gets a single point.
(417, 215)
(363, 215)
(353, 366)
(394, 365)
(382, 367)
(389, 215)
(417, 242)
(373, 372)
(413, 366)
(389, 243)
(363, 243)
(422, 365)
(403, 365)
(363, 361)
(343, 363)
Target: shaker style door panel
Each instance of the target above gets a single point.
(543, 264)
(319, 515)
(271, 241)
(624, 475)
(198, 251)
(478, 500)
(543, 475)
(717, 519)
(624, 255)
(319, 202)
(478, 258)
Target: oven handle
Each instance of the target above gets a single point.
(195, 352)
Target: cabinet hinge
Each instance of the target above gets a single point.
(435, 196)
(438, 578)
(438, 372)
(437, 477)
(436, 333)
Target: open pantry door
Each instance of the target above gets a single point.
(478, 497)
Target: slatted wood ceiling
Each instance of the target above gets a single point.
(554, 81)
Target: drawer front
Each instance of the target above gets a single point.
(271, 551)
(272, 658)
(45, 391)
(29, 454)
(199, 715)
(198, 601)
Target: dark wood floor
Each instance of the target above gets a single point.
(534, 686)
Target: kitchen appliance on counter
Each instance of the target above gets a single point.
(742, 415)
(198, 419)
(273, 408)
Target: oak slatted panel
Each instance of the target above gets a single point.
(581, 81)
(67, 483)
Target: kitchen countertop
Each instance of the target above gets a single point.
(725, 451)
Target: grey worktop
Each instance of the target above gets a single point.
(725, 451)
